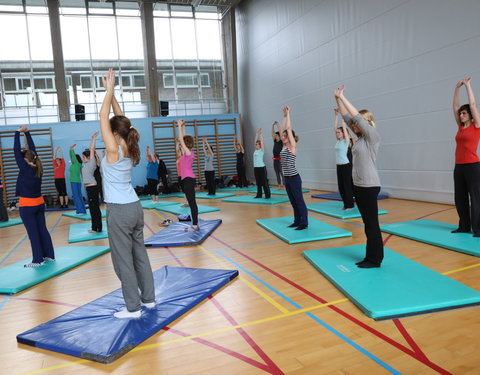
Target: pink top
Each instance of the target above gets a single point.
(178, 163)
(186, 166)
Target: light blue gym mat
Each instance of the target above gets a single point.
(253, 200)
(10, 222)
(234, 188)
(334, 208)
(275, 191)
(177, 194)
(435, 233)
(204, 195)
(15, 277)
(79, 232)
(151, 204)
(400, 287)
(177, 210)
(317, 230)
(82, 216)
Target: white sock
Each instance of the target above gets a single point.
(47, 259)
(125, 314)
(148, 305)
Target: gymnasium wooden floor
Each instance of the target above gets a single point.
(256, 324)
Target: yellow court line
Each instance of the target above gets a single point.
(461, 269)
(248, 283)
(51, 368)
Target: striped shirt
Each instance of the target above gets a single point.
(287, 159)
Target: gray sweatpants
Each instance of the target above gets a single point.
(129, 257)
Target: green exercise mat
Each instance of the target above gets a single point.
(317, 230)
(79, 232)
(217, 195)
(151, 204)
(400, 287)
(335, 209)
(82, 216)
(251, 199)
(435, 233)
(178, 210)
(15, 277)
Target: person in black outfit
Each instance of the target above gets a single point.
(241, 174)
(277, 147)
(162, 173)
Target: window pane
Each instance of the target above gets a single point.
(103, 38)
(10, 84)
(40, 84)
(100, 7)
(160, 10)
(183, 36)
(209, 12)
(15, 47)
(181, 11)
(130, 38)
(209, 40)
(139, 81)
(163, 48)
(126, 81)
(40, 38)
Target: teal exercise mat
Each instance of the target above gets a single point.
(178, 210)
(217, 195)
(317, 230)
(144, 197)
(79, 232)
(83, 216)
(15, 277)
(170, 195)
(335, 209)
(251, 199)
(10, 222)
(400, 287)
(435, 233)
(234, 188)
(275, 191)
(151, 204)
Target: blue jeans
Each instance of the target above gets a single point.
(78, 198)
(293, 185)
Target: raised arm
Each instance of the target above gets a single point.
(58, 151)
(17, 150)
(260, 137)
(149, 155)
(117, 110)
(92, 145)
(341, 107)
(209, 149)
(472, 102)
(346, 134)
(456, 101)
(181, 133)
(291, 138)
(275, 123)
(73, 157)
(111, 145)
(204, 148)
(335, 123)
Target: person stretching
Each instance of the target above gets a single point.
(76, 182)
(32, 205)
(241, 174)
(277, 147)
(209, 169)
(259, 166)
(188, 177)
(59, 176)
(124, 211)
(152, 174)
(88, 177)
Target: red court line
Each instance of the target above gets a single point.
(343, 313)
(409, 339)
(46, 301)
(272, 367)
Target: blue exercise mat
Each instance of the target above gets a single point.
(178, 210)
(176, 235)
(335, 209)
(79, 232)
(85, 216)
(15, 277)
(275, 191)
(336, 196)
(317, 230)
(217, 195)
(149, 204)
(435, 233)
(252, 200)
(92, 332)
(10, 222)
(400, 287)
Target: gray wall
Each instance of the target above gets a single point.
(400, 59)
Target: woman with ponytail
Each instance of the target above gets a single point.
(32, 205)
(124, 211)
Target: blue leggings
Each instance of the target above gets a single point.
(78, 198)
(293, 185)
(33, 218)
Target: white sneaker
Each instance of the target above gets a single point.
(192, 228)
(33, 265)
(47, 259)
(148, 305)
(125, 314)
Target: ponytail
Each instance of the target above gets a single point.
(132, 140)
(34, 161)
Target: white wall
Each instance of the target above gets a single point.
(400, 59)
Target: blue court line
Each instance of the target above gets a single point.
(330, 328)
(251, 244)
(4, 301)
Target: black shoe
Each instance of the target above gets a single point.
(267, 197)
(476, 235)
(255, 197)
(368, 264)
(293, 225)
(301, 227)
(458, 230)
(363, 260)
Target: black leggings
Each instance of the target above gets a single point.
(242, 177)
(61, 186)
(345, 184)
(261, 181)
(466, 178)
(152, 186)
(188, 185)
(210, 178)
(94, 207)
(366, 198)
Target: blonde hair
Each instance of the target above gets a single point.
(367, 115)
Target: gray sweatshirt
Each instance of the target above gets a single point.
(364, 152)
(88, 170)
